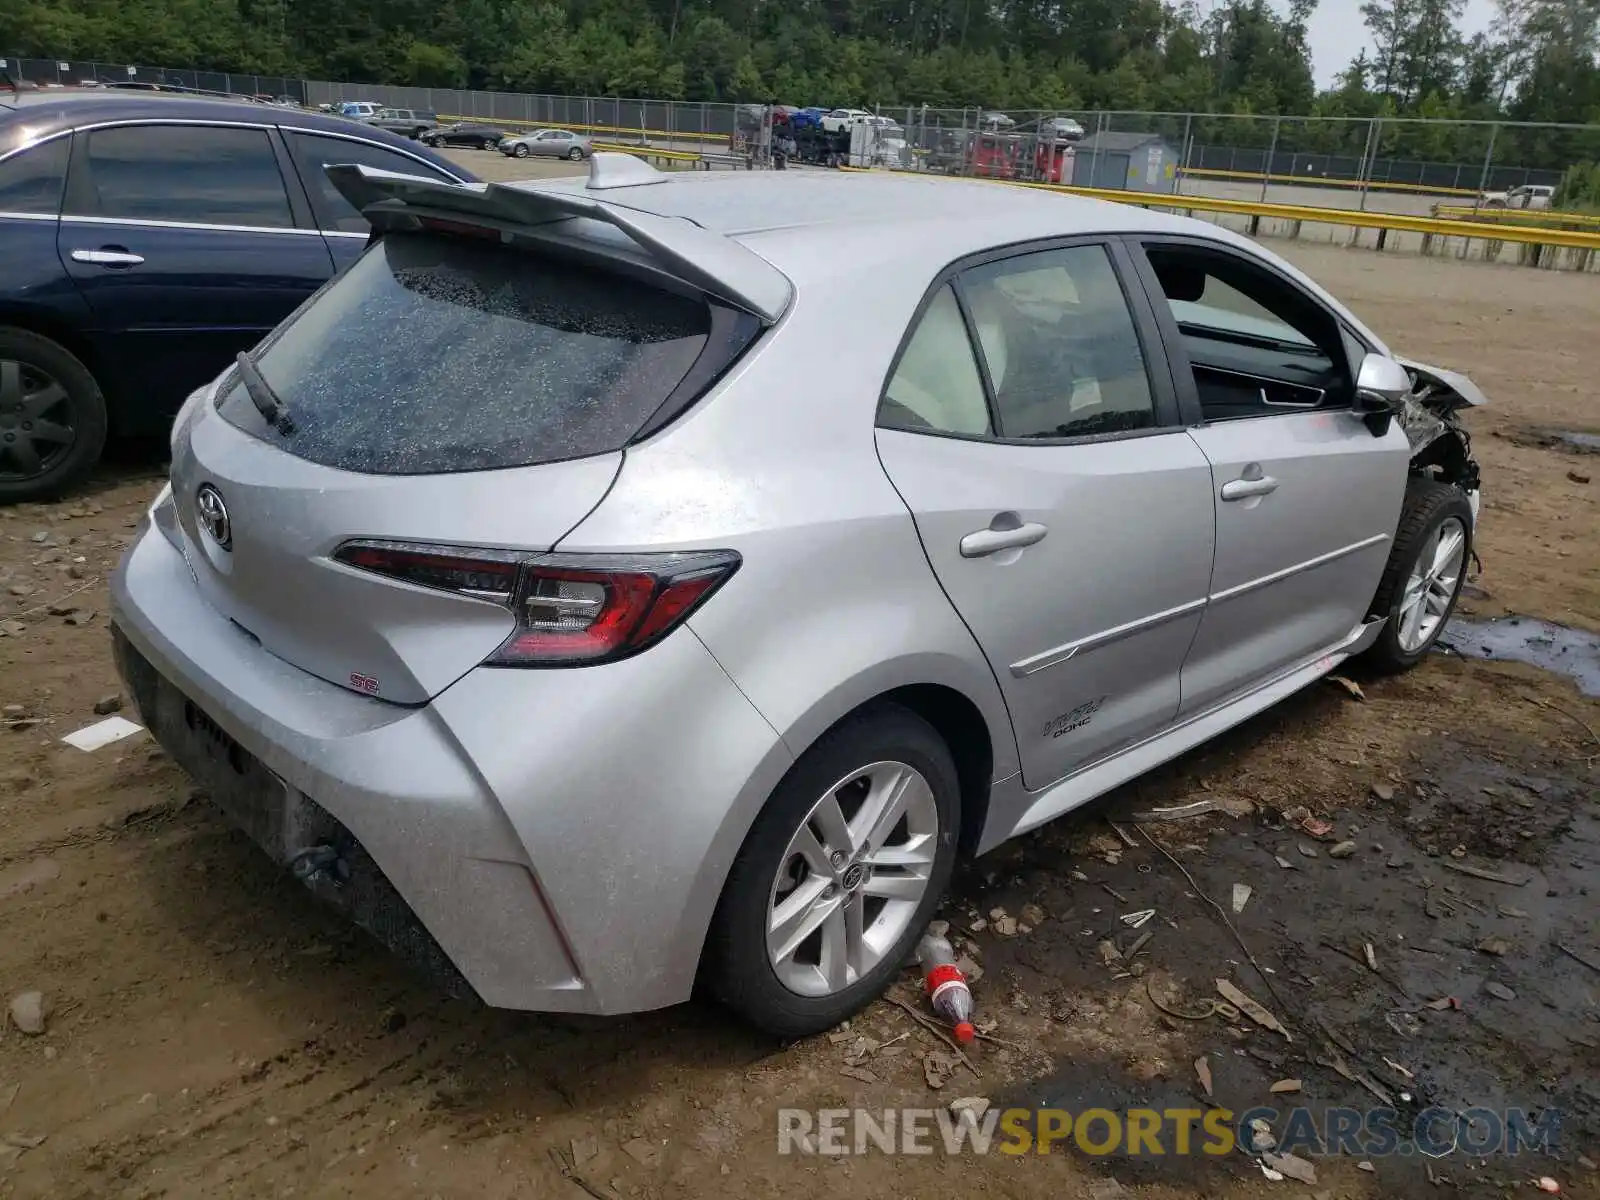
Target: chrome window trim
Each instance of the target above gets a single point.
(22, 216)
(39, 141)
(220, 124)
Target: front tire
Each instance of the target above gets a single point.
(52, 418)
(839, 875)
(1423, 577)
(521, 150)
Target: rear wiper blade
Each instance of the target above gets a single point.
(267, 402)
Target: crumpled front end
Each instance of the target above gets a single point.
(1441, 447)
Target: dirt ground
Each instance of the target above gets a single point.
(213, 1032)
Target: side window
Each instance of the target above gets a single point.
(936, 387)
(205, 175)
(313, 154)
(1060, 345)
(1257, 344)
(31, 181)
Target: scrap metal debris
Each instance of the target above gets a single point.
(1202, 1068)
(1349, 685)
(1483, 873)
(1251, 1009)
(1178, 812)
(1134, 920)
(1291, 1165)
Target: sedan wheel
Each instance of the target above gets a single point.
(521, 150)
(1431, 589)
(52, 418)
(575, 154)
(838, 876)
(488, 144)
(852, 877)
(1423, 577)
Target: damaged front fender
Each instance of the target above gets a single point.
(1441, 447)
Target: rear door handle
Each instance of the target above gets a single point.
(1243, 489)
(992, 541)
(107, 258)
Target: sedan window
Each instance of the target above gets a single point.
(197, 174)
(314, 153)
(1060, 345)
(30, 182)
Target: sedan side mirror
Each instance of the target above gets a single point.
(1381, 387)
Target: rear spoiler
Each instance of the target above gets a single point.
(717, 265)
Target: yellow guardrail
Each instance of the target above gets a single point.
(1516, 216)
(1405, 222)
(648, 151)
(1322, 181)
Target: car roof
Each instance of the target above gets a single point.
(796, 215)
(30, 116)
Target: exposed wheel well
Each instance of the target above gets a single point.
(958, 721)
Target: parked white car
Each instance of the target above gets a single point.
(1531, 195)
(840, 117)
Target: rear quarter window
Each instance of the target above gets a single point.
(314, 153)
(437, 354)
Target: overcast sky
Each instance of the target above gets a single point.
(1338, 34)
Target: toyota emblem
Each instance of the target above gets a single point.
(213, 515)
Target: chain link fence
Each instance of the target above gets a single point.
(61, 72)
(1378, 164)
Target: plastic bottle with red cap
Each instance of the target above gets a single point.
(947, 986)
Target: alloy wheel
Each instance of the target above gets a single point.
(852, 878)
(36, 429)
(1432, 585)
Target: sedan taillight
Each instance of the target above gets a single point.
(570, 609)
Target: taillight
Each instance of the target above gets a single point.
(569, 609)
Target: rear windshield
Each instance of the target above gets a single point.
(435, 354)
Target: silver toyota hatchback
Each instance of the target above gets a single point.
(610, 584)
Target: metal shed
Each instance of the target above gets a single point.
(1138, 162)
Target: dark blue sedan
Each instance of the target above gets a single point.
(145, 239)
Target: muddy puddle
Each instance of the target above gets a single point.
(1571, 652)
(1443, 967)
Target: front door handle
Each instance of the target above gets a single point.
(107, 258)
(992, 541)
(1243, 489)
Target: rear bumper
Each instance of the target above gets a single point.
(558, 837)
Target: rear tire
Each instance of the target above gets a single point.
(1423, 577)
(880, 743)
(52, 418)
(575, 154)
